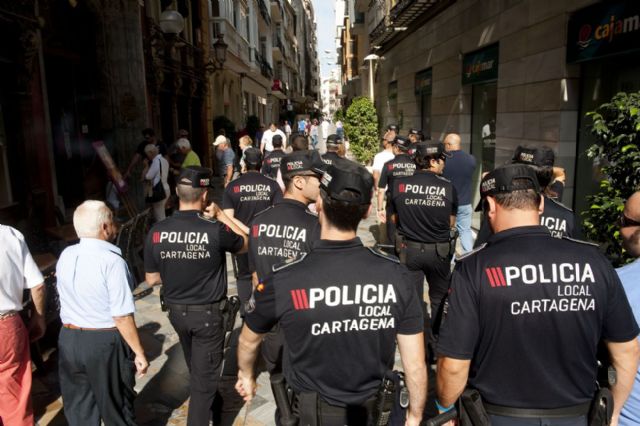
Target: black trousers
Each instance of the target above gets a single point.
(518, 421)
(433, 262)
(391, 226)
(96, 378)
(202, 340)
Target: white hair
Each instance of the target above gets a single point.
(89, 218)
(183, 143)
(151, 149)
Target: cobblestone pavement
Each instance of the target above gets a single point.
(163, 393)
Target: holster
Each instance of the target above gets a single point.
(308, 408)
(401, 248)
(163, 305)
(384, 401)
(601, 408)
(471, 409)
(229, 310)
(281, 396)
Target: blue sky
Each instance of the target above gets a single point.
(325, 18)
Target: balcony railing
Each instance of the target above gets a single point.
(263, 64)
(264, 11)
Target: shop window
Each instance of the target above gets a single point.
(483, 124)
(422, 91)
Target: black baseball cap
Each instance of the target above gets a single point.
(334, 139)
(402, 142)
(435, 149)
(501, 181)
(542, 157)
(195, 176)
(393, 127)
(252, 155)
(348, 177)
(302, 163)
(413, 131)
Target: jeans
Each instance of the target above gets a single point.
(463, 224)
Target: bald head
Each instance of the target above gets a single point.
(631, 233)
(452, 142)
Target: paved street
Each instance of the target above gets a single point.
(163, 392)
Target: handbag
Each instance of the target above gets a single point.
(157, 192)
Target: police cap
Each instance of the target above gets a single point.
(252, 156)
(393, 127)
(509, 178)
(402, 142)
(195, 176)
(413, 131)
(542, 157)
(334, 140)
(348, 177)
(302, 163)
(431, 149)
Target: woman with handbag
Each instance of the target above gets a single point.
(156, 175)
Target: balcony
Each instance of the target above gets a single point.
(278, 47)
(263, 64)
(277, 11)
(279, 89)
(237, 45)
(264, 11)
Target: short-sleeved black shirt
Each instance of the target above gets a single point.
(400, 166)
(424, 204)
(189, 253)
(559, 219)
(529, 310)
(162, 148)
(271, 163)
(250, 194)
(340, 308)
(284, 231)
(331, 158)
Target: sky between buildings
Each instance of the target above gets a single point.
(325, 18)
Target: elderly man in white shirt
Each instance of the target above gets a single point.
(18, 272)
(265, 145)
(99, 332)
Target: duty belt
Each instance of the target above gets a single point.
(418, 245)
(194, 308)
(572, 411)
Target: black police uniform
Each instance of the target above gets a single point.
(271, 163)
(331, 157)
(248, 195)
(400, 166)
(189, 253)
(528, 310)
(340, 307)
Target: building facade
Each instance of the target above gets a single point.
(504, 74)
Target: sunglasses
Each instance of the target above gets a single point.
(625, 222)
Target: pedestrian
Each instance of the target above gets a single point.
(334, 145)
(630, 277)
(148, 137)
(401, 165)
(244, 143)
(225, 159)
(313, 131)
(157, 173)
(525, 315)
(380, 159)
(98, 339)
(247, 196)
(298, 229)
(340, 129)
(186, 253)
(287, 129)
(338, 355)
(559, 219)
(18, 272)
(271, 163)
(460, 171)
(266, 145)
(190, 156)
(325, 129)
(302, 125)
(423, 207)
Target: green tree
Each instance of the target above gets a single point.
(338, 115)
(616, 126)
(361, 129)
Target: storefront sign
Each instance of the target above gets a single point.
(423, 83)
(481, 65)
(604, 29)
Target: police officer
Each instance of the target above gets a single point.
(559, 219)
(334, 144)
(414, 138)
(186, 253)
(424, 208)
(526, 312)
(243, 198)
(271, 163)
(341, 308)
(286, 231)
(400, 166)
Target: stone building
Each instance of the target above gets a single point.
(504, 73)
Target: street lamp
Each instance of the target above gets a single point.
(371, 57)
(219, 54)
(171, 22)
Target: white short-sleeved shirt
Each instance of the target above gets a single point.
(380, 159)
(267, 138)
(94, 284)
(18, 271)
